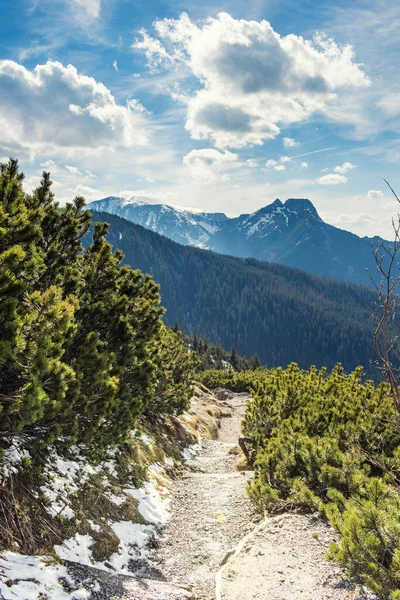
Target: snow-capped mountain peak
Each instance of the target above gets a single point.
(181, 224)
(288, 232)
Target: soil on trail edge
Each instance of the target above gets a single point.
(215, 547)
(210, 512)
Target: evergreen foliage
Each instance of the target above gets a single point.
(175, 376)
(83, 350)
(331, 443)
(242, 381)
(280, 313)
(213, 356)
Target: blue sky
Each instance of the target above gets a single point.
(224, 106)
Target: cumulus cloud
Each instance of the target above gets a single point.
(278, 165)
(207, 164)
(304, 165)
(344, 168)
(290, 142)
(73, 170)
(85, 190)
(375, 194)
(252, 80)
(49, 164)
(156, 55)
(332, 179)
(54, 107)
(252, 163)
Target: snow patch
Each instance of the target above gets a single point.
(12, 458)
(31, 577)
(64, 477)
(76, 549)
(134, 539)
(191, 452)
(208, 227)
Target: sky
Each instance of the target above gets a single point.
(223, 105)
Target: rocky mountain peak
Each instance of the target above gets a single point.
(301, 205)
(270, 208)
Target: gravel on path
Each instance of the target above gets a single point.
(210, 512)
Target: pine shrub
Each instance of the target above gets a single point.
(329, 443)
(83, 350)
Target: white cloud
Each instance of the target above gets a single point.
(290, 142)
(252, 80)
(54, 107)
(205, 165)
(91, 8)
(344, 168)
(88, 192)
(332, 179)
(252, 163)
(31, 183)
(375, 194)
(349, 221)
(390, 105)
(278, 165)
(115, 65)
(154, 51)
(50, 165)
(73, 170)
(151, 197)
(304, 165)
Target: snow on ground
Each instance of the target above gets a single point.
(153, 505)
(35, 577)
(12, 457)
(191, 452)
(64, 477)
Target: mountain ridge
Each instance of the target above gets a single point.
(281, 313)
(290, 233)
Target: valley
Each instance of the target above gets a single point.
(281, 313)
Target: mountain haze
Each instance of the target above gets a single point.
(281, 313)
(290, 233)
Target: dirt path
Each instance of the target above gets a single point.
(214, 546)
(210, 512)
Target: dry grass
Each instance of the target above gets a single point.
(25, 524)
(241, 463)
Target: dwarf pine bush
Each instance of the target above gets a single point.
(329, 442)
(83, 350)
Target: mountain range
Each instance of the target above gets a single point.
(290, 233)
(281, 313)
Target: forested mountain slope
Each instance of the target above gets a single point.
(280, 313)
(290, 233)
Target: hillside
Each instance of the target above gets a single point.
(280, 313)
(292, 234)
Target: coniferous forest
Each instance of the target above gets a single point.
(83, 349)
(279, 313)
